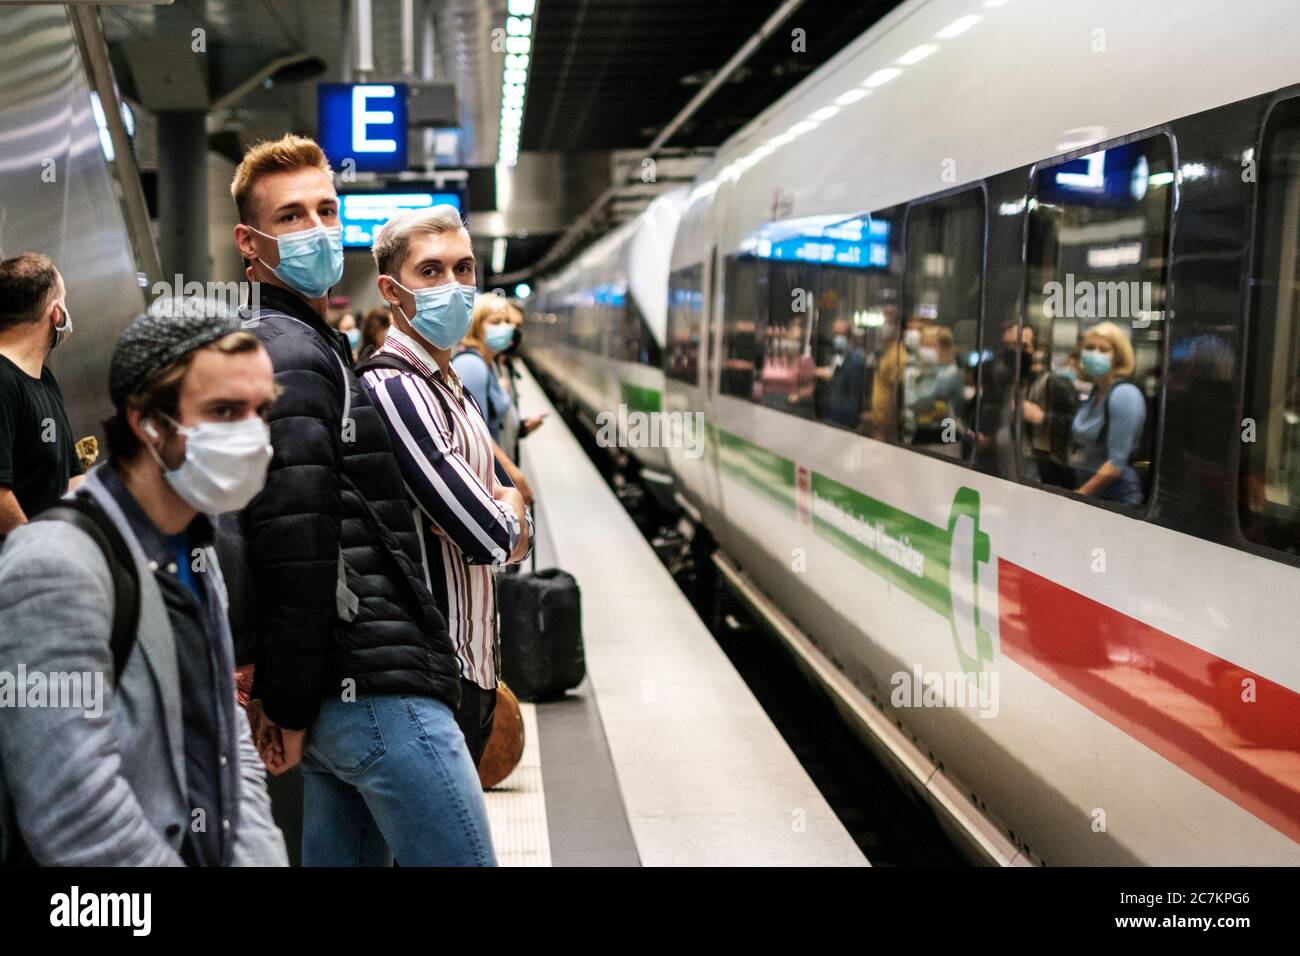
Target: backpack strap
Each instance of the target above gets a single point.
(1105, 415)
(81, 512)
(399, 364)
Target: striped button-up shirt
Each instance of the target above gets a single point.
(445, 454)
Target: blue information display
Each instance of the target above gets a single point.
(361, 214)
(857, 243)
(364, 123)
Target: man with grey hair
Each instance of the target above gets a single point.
(472, 519)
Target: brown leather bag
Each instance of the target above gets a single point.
(505, 746)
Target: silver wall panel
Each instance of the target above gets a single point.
(58, 196)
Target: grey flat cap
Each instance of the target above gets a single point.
(157, 338)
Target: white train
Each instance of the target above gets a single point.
(1072, 681)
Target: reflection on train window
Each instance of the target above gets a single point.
(856, 345)
(744, 312)
(1090, 352)
(633, 341)
(587, 311)
(786, 369)
(1270, 479)
(944, 269)
(685, 310)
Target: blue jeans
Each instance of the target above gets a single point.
(387, 776)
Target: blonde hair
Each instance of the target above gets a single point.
(486, 306)
(394, 237)
(283, 155)
(1124, 362)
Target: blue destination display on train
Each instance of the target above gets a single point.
(859, 243)
(360, 214)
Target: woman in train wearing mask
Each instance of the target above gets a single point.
(1108, 426)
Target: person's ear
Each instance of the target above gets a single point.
(142, 427)
(389, 290)
(245, 241)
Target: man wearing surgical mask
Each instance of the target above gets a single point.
(472, 521)
(38, 457)
(158, 767)
(355, 676)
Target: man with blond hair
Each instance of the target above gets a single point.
(355, 674)
(470, 521)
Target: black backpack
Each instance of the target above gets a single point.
(81, 512)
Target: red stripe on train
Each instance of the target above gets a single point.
(1180, 701)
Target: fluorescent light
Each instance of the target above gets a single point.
(823, 114)
(1161, 179)
(916, 54)
(798, 129)
(881, 77)
(994, 4)
(851, 96)
(958, 26)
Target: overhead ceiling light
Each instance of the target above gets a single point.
(994, 4)
(825, 113)
(958, 26)
(916, 54)
(851, 96)
(881, 77)
(798, 129)
(514, 78)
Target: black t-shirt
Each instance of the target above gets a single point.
(37, 451)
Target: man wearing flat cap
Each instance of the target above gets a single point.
(128, 747)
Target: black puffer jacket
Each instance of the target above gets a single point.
(321, 478)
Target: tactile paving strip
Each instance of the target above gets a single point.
(517, 806)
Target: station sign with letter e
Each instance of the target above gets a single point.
(362, 126)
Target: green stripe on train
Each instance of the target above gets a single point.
(764, 471)
(903, 549)
(640, 399)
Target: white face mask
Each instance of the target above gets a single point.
(61, 332)
(225, 464)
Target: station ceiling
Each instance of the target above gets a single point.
(606, 76)
(610, 74)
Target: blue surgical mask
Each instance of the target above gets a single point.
(498, 337)
(354, 338)
(311, 261)
(1095, 364)
(841, 343)
(1068, 373)
(442, 312)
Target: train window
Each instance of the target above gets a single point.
(1090, 351)
(685, 310)
(944, 267)
(744, 315)
(786, 370)
(633, 340)
(1270, 461)
(856, 344)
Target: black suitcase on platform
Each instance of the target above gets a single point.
(541, 633)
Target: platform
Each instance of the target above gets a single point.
(662, 757)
